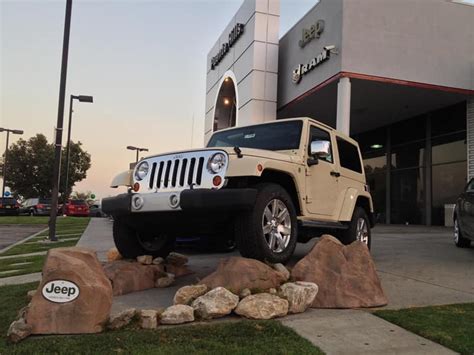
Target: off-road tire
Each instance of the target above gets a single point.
(350, 235)
(129, 246)
(460, 241)
(248, 226)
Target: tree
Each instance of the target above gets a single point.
(30, 167)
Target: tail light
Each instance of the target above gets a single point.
(39, 205)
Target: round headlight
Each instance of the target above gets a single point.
(141, 171)
(216, 163)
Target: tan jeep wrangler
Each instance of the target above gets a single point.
(268, 186)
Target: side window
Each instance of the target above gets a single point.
(470, 185)
(316, 133)
(349, 155)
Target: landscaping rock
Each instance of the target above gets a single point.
(120, 320)
(73, 276)
(165, 281)
(282, 270)
(236, 273)
(244, 293)
(30, 294)
(177, 314)
(345, 275)
(18, 330)
(216, 303)
(176, 259)
(113, 254)
(145, 259)
(129, 276)
(272, 291)
(178, 270)
(262, 306)
(148, 319)
(300, 295)
(187, 294)
(158, 261)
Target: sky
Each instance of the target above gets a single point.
(144, 62)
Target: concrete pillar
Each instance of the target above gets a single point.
(470, 137)
(343, 121)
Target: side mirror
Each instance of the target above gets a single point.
(320, 149)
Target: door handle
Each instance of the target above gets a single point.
(335, 173)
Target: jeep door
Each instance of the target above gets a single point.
(321, 178)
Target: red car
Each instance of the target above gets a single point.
(77, 208)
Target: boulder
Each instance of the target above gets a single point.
(158, 261)
(244, 293)
(345, 275)
(187, 294)
(148, 319)
(18, 330)
(262, 306)
(74, 295)
(177, 314)
(145, 259)
(216, 303)
(120, 320)
(176, 259)
(272, 291)
(282, 270)
(300, 295)
(127, 276)
(113, 254)
(236, 273)
(178, 270)
(30, 294)
(164, 281)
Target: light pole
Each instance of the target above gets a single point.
(81, 98)
(14, 131)
(131, 147)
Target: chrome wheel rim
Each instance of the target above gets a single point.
(362, 231)
(456, 231)
(276, 225)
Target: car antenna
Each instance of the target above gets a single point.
(238, 151)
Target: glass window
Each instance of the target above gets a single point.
(470, 185)
(349, 155)
(410, 130)
(448, 120)
(378, 187)
(375, 165)
(408, 155)
(274, 136)
(320, 134)
(407, 196)
(449, 148)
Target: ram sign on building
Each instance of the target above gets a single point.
(398, 76)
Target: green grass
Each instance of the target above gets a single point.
(35, 265)
(24, 220)
(243, 337)
(451, 325)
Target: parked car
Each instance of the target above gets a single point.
(95, 210)
(464, 217)
(9, 206)
(78, 208)
(36, 206)
(269, 186)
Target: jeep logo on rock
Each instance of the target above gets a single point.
(60, 291)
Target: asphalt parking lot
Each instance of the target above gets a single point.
(417, 265)
(10, 234)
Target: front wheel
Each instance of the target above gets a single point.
(269, 231)
(359, 229)
(132, 243)
(459, 240)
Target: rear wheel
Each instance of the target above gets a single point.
(359, 229)
(459, 240)
(132, 243)
(269, 231)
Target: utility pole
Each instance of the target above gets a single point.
(59, 124)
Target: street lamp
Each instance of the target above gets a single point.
(81, 98)
(131, 147)
(14, 131)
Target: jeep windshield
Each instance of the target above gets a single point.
(273, 136)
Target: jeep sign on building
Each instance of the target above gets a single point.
(397, 76)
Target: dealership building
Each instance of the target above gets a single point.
(397, 76)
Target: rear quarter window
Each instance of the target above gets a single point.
(349, 155)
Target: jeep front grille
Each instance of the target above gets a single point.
(179, 172)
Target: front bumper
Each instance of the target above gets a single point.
(187, 200)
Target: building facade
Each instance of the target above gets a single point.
(397, 76)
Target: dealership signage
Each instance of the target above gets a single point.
(234, 35)
(303, 69)
(314, 31)
(60, 291)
